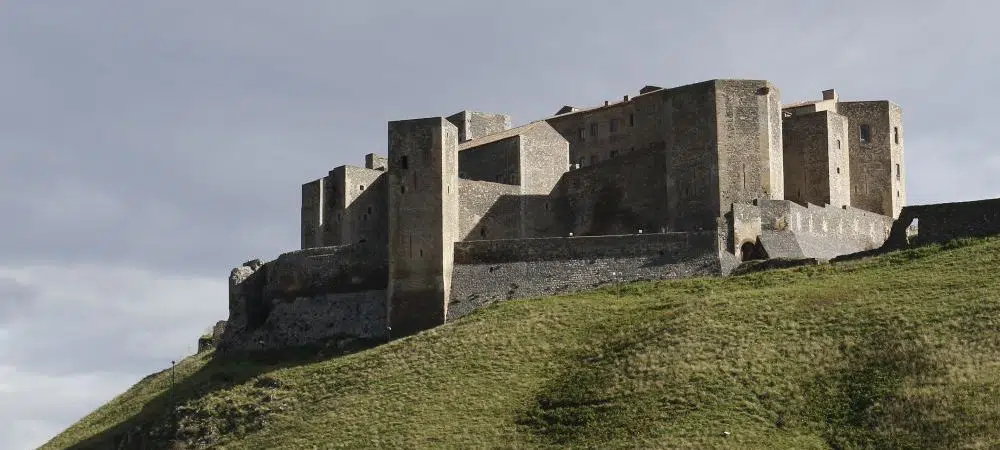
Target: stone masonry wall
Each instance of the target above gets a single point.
(474, 124)
(490, 271)
(817, 166)
(793, 231)
(750, 163)
(618, 196)
(307, 297)
(356, 207)
(943, 222)
(312, 214)
(873, 162)
(496, 161)
(488, 210)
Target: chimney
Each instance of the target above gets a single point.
(605, 103)
(830, 94)
(625, 98)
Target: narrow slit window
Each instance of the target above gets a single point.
(631, 120)
(404, 162)
(895, 134)
(899, 173)
(864, 134)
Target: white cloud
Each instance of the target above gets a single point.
(84, 334)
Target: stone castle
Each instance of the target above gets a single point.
(467, 210)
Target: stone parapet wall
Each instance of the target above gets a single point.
(790, 230)
(490, 271)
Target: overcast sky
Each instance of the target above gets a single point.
(148, 147)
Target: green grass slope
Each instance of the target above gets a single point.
(898, 351)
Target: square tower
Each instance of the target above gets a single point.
(423, 222)
(875, 132)
(817, 167)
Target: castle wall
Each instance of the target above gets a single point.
(474, 124)
(488, 210)
(790, 230)
(750, 163)
(544, 158)
(817, 166)
(376, 162)
(307, 297)
(423, 222)
(603, 133)
(619, 196)
(690, 128)
(355, 206)
(875, 186)
(312, 214)
(939, 223)
(497, 161)
(490, 271)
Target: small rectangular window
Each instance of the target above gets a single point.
(593, 129)
(838, 144)
(614, 153)
(580, 133)
(631, 120)
(403, 162)
(614, 125)
(895, 134)
(899, 173)
(864, 134)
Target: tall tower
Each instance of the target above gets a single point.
(878, 180)
(423, 222)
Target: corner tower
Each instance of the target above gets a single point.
(423, 222)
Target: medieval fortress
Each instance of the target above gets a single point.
(466, 210)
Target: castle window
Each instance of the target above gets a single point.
(895, 134)
(614, 125)
(864, 133)
(631, 119)
(838, 144)
(899, 173)
(580, 133)
(614, 153)
(838, 169)
(403, 162)
(369, 210)
(593, 129)
(402, 189)
(482, 232)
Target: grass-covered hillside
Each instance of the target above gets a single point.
(899, 351)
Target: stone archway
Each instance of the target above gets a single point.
(749, 251)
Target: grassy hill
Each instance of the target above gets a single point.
(898, 351)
